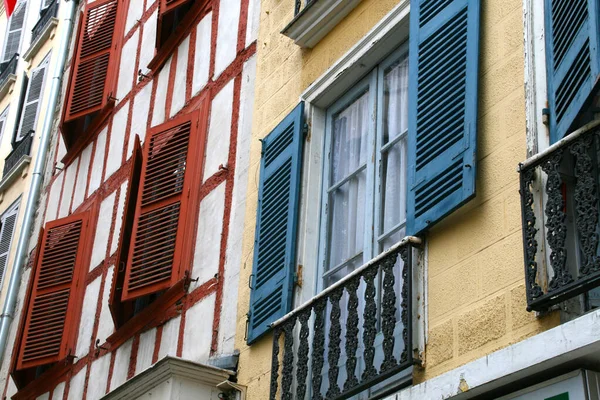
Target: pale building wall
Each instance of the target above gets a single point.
(476, 300)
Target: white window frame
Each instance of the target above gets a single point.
(12, 209)
(20, 3)
(4, 119)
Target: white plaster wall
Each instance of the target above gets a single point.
(59, 391)
(148, 41)
(98, 376)
(127, 68)
(234, 256)
(114, 244)
(121, 367)
(11, 390)
(76, 385)
(62, 150)
(117, 138)
(179, 87)
(82, 176)
(67, 194)
(139, 117)
(219, 131)
(102, 230)
(160, 100)
(229, 16)
(45, 396)
(202, 54)
(98, 162)
(197, 336)
(106, 325)
(52, 209)
(145, 350)
(88, 316)
(253, 21)
(133, 15)
(208, 240)
(170, 336)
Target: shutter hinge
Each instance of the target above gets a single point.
(298, 277)
(305, 132)
(247, 326)
(546, 116)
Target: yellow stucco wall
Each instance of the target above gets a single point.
(476, 296)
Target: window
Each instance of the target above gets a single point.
(33, 99)
(92, 82)
(170, 16)
(3, 121)
(14, 32)
(8, 221)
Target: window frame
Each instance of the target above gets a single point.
(4, 120)
(3, 55)
(12, 209)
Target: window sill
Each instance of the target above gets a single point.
(150, 317)
(48, 32)
(316, 20)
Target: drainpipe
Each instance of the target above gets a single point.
(8, 312)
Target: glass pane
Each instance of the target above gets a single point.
(347, 220)
(395, 95)
(393, 186)
(349, 147)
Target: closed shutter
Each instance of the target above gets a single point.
(3, 118)
(33, 100)
(276, 227)
(443, 58)
(15, 32)
(172, 154)
(90, 87)
(6, 234)
(53, 307)
(572, 59)
(119, 310)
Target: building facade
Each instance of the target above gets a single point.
(131, 248)
(422, 212)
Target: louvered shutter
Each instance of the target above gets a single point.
(170, 160)
(3, 118)
(572, 59)
(276, 226)
(6, 234)
(14, 32)
(118, 309)
(90, 86)
(443, 68)
(32, 101)
(48, 330)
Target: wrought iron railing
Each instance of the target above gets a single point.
(21, 150)
(47, 15)
(301, 5)
(560, 214)
(8, 68)
(361, 330)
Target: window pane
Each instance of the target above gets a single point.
(350, 130)
(395, 96)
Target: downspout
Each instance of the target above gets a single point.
(37, 178)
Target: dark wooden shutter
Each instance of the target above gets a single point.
(572, 59)
(90, 87)
(119, 310)
(33, 99)
(276, 227)
(53, 307)
(6, 235)
(170, 5)
(444, 57)
(14, 33)
(171, 156)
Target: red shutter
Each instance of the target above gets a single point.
(121, 311)
(90, 85)
(52, 309)
(172, 154)
(166, 6)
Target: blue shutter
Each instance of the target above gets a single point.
(442, 140)
(277, 218)
(571, 59)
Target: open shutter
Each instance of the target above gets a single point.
(3, 118)
(443, 68)
(32, 101)
(170, 5)
(118, 309)
(276, 226)
(6, 235)
(48, 330)
(90, 86)
(171, 157)
(15, 32)
(572, 59)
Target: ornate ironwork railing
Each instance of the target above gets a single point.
(47, 15)
(9, 68)
(23, 148)
(360, 332)
(302, 4)
(560, 208)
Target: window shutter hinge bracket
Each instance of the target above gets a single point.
(305, 131)
(546, 116)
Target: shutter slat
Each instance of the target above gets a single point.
(277, 219)
(573, 64)
(442, 140)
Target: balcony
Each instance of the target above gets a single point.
(351, 337)
(560, 216)
(8, 72)
(42, 29)
(20, 152)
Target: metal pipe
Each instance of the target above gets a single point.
(37, 177)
